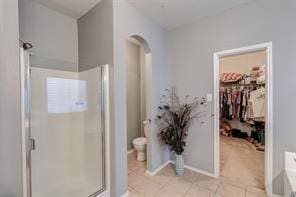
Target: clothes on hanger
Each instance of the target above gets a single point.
(257, 105)
(245, 103)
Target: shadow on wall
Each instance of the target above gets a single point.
(277, 183)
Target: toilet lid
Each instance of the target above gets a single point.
(140, 141)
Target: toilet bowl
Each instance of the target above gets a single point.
(140, 147)
(141, 143)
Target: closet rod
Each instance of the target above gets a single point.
(241, 85)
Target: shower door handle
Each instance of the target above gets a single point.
(32, 144)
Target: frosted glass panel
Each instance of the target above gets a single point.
(66, 95)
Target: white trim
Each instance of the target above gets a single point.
(275, 195)
(269, 111)
(185, 166)
(126, 194)
(130, 151)
(196, 170)
(107, 130)
(158, 169)
(23, 129)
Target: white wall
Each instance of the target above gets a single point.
(53, 35)
(95, 32)
(191, 56)
(10, 103)
(242, 63)
(129, 21)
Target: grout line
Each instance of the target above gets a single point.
(216, 192)
(188, 189)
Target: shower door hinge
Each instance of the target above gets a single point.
(32, 144)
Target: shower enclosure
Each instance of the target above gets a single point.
(64, 128)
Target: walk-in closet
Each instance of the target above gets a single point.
(242, 104)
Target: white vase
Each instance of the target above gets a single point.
(179, 165)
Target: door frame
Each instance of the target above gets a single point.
(269, 108)
(143, 42)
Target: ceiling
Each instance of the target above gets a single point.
(167, 13)
(172, 13)
(72, 8)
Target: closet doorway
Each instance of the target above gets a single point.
(243, 116)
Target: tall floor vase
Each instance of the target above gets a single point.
(179, 165)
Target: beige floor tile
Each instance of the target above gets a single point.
(175, 187)
(189, 176)
(168, 170)
(234, 182)
(228, 190)
(207, 182)
(161, 179)
(135, 179)
(256, 191)
(141, 170)
(196, 191)
(132, 165)
(241, 167)
(147, 187)
(249, 194)
(168, 194)
(257, 184)
(134, 193)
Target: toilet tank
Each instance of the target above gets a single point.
(146, 124)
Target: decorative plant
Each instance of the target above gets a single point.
(175, 118)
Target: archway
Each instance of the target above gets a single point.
(138, 91)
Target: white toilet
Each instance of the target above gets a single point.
(141, 143)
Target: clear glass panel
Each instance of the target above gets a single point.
(67, 126)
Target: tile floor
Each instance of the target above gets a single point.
(245, 182)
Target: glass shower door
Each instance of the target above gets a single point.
(67, 131)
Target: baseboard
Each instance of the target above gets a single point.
(104, 194)
(130, 151)
(126, 194)
(158, 169)
(196, 170)
(275, 195)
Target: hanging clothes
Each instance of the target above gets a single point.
(256, 110)
(234, 97)
(245, 103)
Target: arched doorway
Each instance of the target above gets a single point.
(138, 80)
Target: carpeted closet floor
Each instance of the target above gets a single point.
(241, 162)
